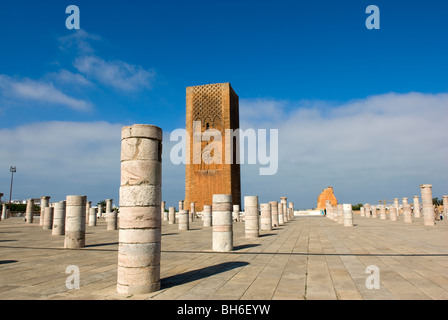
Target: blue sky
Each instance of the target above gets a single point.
(64, 94)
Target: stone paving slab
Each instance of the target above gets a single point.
(308, 258)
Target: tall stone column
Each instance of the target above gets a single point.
(75, 222)
(111, 216)
(367, 206)
(404, 201)
(340, 213)
(291, 207)
(207, 215)
(407, 214)
(397, 206)
(29, 216)
(48, 218)
(283, 201)
(363, 211)
(162, 211)
(92, 217)
(171, 215)
(4, 211)
(374, 212)
(100, 210)
(327, 209)
(222, 223)
(181, 205)
(417, 207)
(445, 206)
(274, 210)
(139, 236)
(281, 219)
(59, 219)
(266, 217)
(251, 222)
(348, 215)
(393, 214)
(383, 212)
(88, 206)
(236, 212)
(192, 211)
(44, 202)
(184, 220)
(428, 209)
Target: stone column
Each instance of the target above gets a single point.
(330, 212)
(111, 216)
(92, 217)
(192, 211)
(59, 219)
(416, 206)
(139, 237)
(171, 215)
(327, 209)
(274, 210)
(340, 213)
(162, 211)
(100, 210)
(266, 217)
(397, 206)
(222, 223)
(405, 201)
(44, 202)
(236, 212)
(393, 214)
(181, 205)
(29, 211)
(291, 207)
(3, 211)
(428, 209)
(75, 222)
(281, 218)
(407, 214)
(363, 211)
(48, 218)
(184, 220)
(283, 201)
(348, 215)
(88, 206)
(251, 222)
(207, 215)
(367, 206)
(445, 206)
(374, 213)
(383, 212)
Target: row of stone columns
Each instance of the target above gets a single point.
(341, 213)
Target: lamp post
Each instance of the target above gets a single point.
(12, 170)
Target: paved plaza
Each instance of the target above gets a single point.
(307, 258)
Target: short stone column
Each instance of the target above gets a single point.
(445, 206)
(222, 223)
(428, 209)
(348, 215)
(407, 213)
(291, 207)
(111, 216)
(92, 217)
(207, 215)
(192, 212)
(340, 213)
(265, 217)
(363, 211)
(139, 238)
(171, 215)
(383, 212)
(184, 220)
(330, 212)
(367, 206)
(236, 212)
(274, 211)
(393, 214)
(44, 202)
(397, 206)
(374, 212)
(417, 207)
(75, 222)
(48, 218)
(162, 211)
(88, 206)
(59, 219)
(281, 218)
(251, 219)
(327, 209)
(29, 216)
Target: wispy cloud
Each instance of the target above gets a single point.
(28, 92)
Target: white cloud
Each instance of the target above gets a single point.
(116, 74)
(27, 92)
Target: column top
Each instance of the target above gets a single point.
(426, 186)
(142, 131)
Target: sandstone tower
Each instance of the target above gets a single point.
(215, 106)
